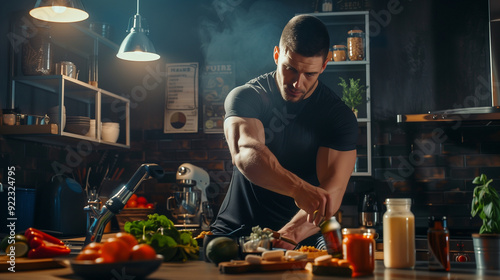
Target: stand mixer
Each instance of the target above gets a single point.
(185, 203)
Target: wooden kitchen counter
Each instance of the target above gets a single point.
(201, 270)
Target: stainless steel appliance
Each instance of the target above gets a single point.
(189, 205)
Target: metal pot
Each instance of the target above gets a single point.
(66, 68)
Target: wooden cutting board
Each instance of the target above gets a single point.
(235, 267)
(23, 264)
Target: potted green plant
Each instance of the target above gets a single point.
(486, 204)
(352, 93)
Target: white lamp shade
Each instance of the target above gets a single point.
(59, 11)
(137, 47)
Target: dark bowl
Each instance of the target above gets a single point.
(77, 128)
(128, 270)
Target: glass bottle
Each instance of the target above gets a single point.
(356, 45)
(37, 53)
(399, 234)
(330, 229)
(438, 238)
(327, 6)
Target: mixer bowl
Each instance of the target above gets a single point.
(187, 202)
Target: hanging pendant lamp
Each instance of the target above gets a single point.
(137, 46)
(59, 10)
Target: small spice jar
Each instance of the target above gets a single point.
(358, 245)
(339, 53)
(356, 45)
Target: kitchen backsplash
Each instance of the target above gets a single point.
(432, 164)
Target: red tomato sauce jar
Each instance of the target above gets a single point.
(358, 246)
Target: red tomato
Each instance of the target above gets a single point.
(150, 205)
(133, 197)
(93, 246)
(142, 205)
(127, 238)
(142, 200)
(143, 252)
(132, 203)
(88, 254)
(114, 250)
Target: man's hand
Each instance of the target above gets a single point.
(316, 202)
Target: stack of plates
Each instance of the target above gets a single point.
(77, 124)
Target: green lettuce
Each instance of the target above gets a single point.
(160, 232)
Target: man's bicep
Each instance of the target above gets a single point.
(243, 132)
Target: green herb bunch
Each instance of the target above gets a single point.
(352, 93)
(486, 204)
(159, 232)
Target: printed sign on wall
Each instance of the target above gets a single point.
(181, 100)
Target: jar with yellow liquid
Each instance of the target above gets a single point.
(399, 234)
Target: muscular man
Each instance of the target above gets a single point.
(292, 142)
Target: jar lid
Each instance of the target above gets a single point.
(339, 46)
(361, 230)
(398, 201)
(354, 31)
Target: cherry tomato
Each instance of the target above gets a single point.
(141, 205)
(150, 205)
(88, 254)
(133, 197)
(127, 238)
(143, 252)
(132, 204)
(114, 250)
(142, 200)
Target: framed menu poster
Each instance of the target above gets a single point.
(181, 98)
(217, 80)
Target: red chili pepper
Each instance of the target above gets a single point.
(44, 245)
(45, 236)
(46, 251)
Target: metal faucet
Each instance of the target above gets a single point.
(116, 203)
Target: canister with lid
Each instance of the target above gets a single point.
(359, 249)
(339, 52)
(356, 45)
(399, 234)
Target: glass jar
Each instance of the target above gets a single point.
(327, 6)
(329, 57)
(399, 234)
(37, 53)
(330, 229)
(339, 53)
(356, 45)
(359, 249)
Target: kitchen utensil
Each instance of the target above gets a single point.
(66, 68)
(277, 235)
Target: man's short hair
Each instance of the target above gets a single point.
(305, 35)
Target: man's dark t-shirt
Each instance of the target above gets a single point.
(294, 132)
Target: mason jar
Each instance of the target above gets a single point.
(356, 45)
(399, 234)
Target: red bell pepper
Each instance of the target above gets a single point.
(43, 245)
